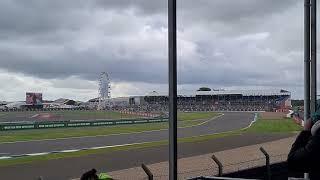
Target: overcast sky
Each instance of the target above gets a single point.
(60, 47)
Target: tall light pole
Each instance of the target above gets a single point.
(172, 44)
(306, 59)
(313, 96)
(310, 58)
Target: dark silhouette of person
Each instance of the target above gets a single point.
(90, 175)
(304, 156)
(34, 99)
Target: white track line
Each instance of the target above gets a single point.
(253, 121)
(71, 150)
(37, 154)
(116, 134)
(5, 157)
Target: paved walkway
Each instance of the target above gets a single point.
(233, 160)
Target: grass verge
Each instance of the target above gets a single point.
(283, 125)
(68, 115)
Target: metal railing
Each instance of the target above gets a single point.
(147, 171)
(264, 166)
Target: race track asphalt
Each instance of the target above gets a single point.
(228, 122)
(71, 168)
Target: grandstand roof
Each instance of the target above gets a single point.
(245, 92)
(231, 92)
(59, 101)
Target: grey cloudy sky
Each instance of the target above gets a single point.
(59, 47)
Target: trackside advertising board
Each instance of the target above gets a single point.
(66, 124)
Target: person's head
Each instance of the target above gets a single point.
(315, 128)
(90, 175)
(315, 116)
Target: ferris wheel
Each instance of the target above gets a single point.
(104, 90)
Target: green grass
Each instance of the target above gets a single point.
(85, 115)
(27, 135)
(93, 115)
(261, 126)
(275, 126)
(69, 115)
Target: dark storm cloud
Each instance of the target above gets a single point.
(146, 7)
(36, 17)
(86, 65)
(127, 38)
(226, 10)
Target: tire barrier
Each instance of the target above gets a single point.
(72, 124)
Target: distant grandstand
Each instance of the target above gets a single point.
(218, 100)
(204, 99)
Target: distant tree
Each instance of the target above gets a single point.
(204, 89)
(296, 103)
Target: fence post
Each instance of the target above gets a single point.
(267, 162)
(147, 171)
(216, 160)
